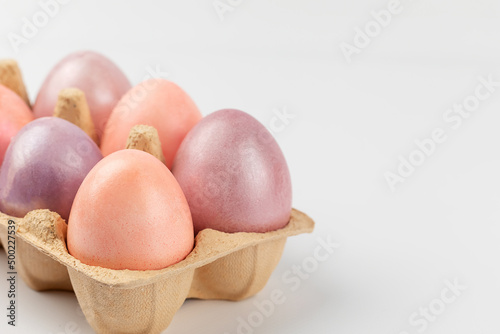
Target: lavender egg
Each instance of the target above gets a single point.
(234, 175)
(44, 166)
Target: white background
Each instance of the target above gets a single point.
(352, 121)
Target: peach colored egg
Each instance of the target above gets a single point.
(98, 77)
(14, 114)
(156, 102)
(130, 213)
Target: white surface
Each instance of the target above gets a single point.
(352, 121)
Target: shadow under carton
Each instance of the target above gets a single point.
(230, 266)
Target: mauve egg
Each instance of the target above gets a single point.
(155, 102)
(14, 114)
(44, 165)
(98, 77)
(234, 175)
(130, 213)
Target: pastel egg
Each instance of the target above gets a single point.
(234, 175)
(98, 77)
(130, 213)
(14, 114)
(156, 102)
(44, 165)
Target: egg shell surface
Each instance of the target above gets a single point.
(14, 114)
(97, 76)
(234, 175)
(130, 213)
(155, 102)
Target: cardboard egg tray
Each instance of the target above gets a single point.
(229, 266)
(221, 266)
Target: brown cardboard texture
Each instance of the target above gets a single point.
(11, 77)
(221, 266)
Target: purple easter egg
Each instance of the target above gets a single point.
(97, 76)
(234, 175)
(44, 166)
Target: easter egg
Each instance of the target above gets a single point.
(98, 77)
(130, 213)
(234, 175)
(44, 166)
(155, 102)
(14, 114)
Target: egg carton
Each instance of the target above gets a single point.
(227, 266)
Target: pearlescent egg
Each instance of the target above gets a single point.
(234, 175)
(155, 102)
(44, 166)
(130, 213)
(98, 77)
(14, 114)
